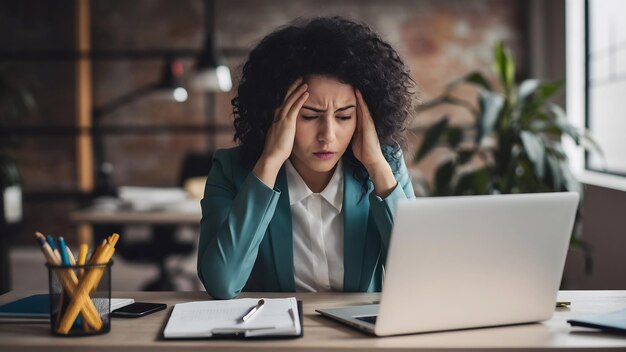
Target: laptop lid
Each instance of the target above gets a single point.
(474, 261)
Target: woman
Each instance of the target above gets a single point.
(306, 201)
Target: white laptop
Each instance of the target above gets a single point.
(467, 262)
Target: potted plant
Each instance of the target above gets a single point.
(513, 145)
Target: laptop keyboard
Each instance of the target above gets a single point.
(369, 319)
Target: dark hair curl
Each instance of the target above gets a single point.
(332, 46)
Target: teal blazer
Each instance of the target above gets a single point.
(246, 234)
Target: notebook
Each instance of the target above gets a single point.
(279, 318)
(36, 308)
(614, 322)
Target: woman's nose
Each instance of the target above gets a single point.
(326, 131)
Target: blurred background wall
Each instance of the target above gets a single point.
(147, 140)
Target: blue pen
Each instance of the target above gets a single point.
(50, 240)
(65, 260)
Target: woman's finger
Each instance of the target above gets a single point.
(365, 111)
(278, 111)
(295, 108)
(292, 88)
(359, 118)
(293, 98)
(361, 111)
(362, 104)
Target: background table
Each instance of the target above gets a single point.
(144, 334)
(163, 225)
(94, 216)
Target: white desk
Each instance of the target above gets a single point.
(321, 334)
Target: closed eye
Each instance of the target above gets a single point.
(344, 117)
(308, 118)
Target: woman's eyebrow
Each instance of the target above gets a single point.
(320, 110)
(344, 108)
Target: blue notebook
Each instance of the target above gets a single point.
(614, 322)
(36, 308)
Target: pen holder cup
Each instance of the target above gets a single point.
(80, 299)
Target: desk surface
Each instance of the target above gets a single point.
(143, 334)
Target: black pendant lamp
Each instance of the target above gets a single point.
(211, 73)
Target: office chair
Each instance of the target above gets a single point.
(163, 242)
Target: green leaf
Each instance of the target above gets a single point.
(473, 182)
(556, 149)
(590, 144)
(533, 145)
(491, 105)
(504, 66)
(446, 99)
(556, 173)
(475, 77)
(431, 138)
(431, 104)
(546, 90)
(526, 89)
(443, 176)
(481, 181)
(561, 122)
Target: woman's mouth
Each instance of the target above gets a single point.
(324, 155)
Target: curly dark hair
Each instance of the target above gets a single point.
(332, 46)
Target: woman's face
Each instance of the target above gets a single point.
(324, 127)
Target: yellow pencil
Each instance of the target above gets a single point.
(82, 256)
(90, 280)
(73, 262)
(69, 281)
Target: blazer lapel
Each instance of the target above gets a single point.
(281, 236)
(355, 219)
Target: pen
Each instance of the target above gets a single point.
(82, 257)
(65, 260)
(253, 311)
(47, 250)
(51, 243)
(50, 240)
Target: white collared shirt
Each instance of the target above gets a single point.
(317, 225)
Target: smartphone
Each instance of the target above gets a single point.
(138, 309)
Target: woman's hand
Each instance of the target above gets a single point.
(365, 143)
(366, 148)
(281, 135)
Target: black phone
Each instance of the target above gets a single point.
(138, 309)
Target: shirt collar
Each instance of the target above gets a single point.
(298, 190)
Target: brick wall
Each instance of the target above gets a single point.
(439, 40)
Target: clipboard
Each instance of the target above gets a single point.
(240, 335)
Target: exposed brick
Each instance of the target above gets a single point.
(439, 40)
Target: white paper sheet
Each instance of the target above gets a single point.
(279, 316)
